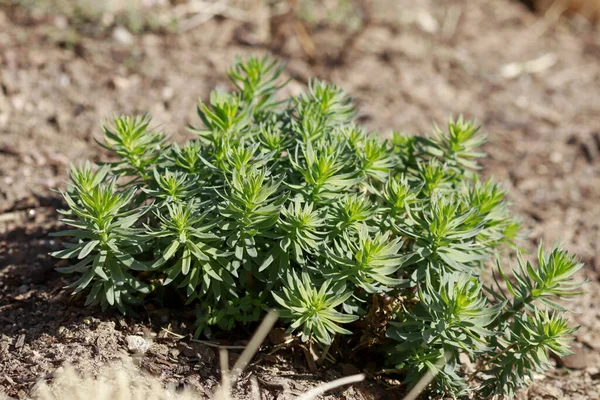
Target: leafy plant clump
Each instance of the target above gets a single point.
(290, 204)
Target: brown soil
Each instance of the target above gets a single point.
(532, 83)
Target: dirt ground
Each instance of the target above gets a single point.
(532, 82)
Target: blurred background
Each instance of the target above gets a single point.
(528, 71)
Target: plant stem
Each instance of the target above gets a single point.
(511, 312)
(504, 317)
(488, 362)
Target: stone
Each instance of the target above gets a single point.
(137, 344)
(577, 360)
(122, 36)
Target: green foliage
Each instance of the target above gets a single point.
(312, 309)
(288, 204)
(105, 240)
(524, 349)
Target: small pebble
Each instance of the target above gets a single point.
(122, 36)
(137, 344)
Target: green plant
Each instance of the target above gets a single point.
(290, 204)
(313, 310)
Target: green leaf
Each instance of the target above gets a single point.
(81, 266)
(87, 249)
